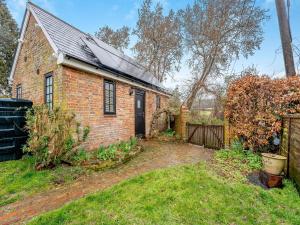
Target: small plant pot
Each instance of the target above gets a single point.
(273, 163)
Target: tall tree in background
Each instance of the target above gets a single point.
(216, 32)
(118, 39)
(8, 43)
(159, 40)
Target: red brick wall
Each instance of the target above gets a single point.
(84, 95)
(78, 91)
(35, 54)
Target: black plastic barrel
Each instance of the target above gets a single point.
(12, 132)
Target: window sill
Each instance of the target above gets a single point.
(110, 115)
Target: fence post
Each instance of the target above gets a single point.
(181, 128)
(226, 133)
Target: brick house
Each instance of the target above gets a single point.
(59, 65)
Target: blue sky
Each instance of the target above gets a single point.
(89, 15)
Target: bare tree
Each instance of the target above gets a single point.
(216, 32)
(159, 43)
(218, 89)
(296, 50)
(118, 38)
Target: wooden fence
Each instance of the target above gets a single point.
(210, 136)
(290, 146)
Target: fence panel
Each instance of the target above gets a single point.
(210, 136)
(290, 146)
(12, 122)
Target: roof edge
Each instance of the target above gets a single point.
(21, 37)
(20, 41)
(51, 42)
(84, 66)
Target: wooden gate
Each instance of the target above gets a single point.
(210, 136)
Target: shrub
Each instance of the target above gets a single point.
(238, 155)
(112, 152)
(107, 153)
(54, 135)
(255, 106)
(81, 155)
(169, 132)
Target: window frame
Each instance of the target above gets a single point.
(114, 97)
(158, 102)
(19, 94)
(47, 76)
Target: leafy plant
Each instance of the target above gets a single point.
(239, 155)
(169, 133)
(81, 155)
(54, 135)
(107, 153)
(125, 146)
(115, 150)
(133, 141)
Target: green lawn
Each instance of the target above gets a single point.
(19, 179)
(215, 193)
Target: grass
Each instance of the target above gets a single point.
(19, 179)
(194, 194)
(205, 117)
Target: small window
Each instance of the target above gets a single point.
(49, 90)
(109, 97)
(157, 102)
(19, 91)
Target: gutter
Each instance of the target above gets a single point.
(67, 60)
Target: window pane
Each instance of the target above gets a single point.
(109, 97)
(49, 91)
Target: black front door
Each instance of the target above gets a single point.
(139, 113)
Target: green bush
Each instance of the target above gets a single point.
(169, 132)
(238, 154)
(81, 155)
(107, 153)
(54, 135)
(115, 150)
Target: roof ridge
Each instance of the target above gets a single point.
(51, 14)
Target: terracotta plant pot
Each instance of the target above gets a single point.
(273, 163)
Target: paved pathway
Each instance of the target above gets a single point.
(156, 155)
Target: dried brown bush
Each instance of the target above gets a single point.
(255, 106)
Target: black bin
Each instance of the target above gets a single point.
(12, 122)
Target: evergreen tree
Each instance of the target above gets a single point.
(8, 43)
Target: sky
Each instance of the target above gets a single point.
(89, 15)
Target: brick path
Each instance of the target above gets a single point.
(156, 155)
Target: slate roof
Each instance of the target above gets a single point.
(84, 47)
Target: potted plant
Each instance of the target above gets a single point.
(273, 163)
